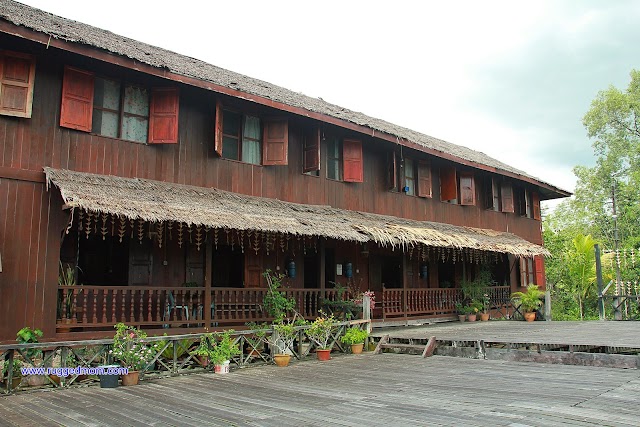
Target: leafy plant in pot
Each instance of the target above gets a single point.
(130, 349)
(530, 301)
(15, 370)
(475, 307)
(27, 335)
(284, 334)
(354, 336)
(224, 348)
(486, 304)
(205, 349)
(67, 294)
(320, 332)
(462, 310)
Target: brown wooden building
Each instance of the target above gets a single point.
(169, 185)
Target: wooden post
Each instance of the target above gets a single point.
(405, 281)
(323, 275)
(366, 310)
(600, 282)
(208, 278)
(547, 305)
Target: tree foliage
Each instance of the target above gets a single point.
(613, 124)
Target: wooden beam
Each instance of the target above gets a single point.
(430, 347)
(102, 55)
(22, 174)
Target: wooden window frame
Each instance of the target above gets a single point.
(29, 85)
(311, 152)
(535, 200)
(448, 184)
(352, 166)
(337, 160)
(87, 125)
(275, 149)
(403, 182)
(425, 182)
(506, 197)
(467, 191)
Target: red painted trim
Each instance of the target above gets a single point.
(22, 174)
(111, 58)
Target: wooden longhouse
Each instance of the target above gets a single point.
(170, 185)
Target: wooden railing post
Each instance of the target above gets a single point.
(366, 310)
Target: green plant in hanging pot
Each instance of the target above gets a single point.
(530, 301)
(204, 350)
(355, 337)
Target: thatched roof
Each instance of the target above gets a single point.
(79, 33)
(157, 201)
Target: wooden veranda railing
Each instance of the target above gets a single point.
(171, 355)
(104, 306)
(434, 301)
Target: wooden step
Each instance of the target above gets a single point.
(403, 346)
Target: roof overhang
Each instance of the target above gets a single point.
(157, 201)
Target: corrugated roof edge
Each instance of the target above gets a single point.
(83, 34)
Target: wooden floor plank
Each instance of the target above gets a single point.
(373, 390)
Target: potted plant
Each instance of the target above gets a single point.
(276, 302)
(284, 334)
(320, 332)
(530, 301)
(224, 348)
(66, 309)
(16, 372)
(354, 336)
(474, 308)
(27, 335)
(462, 310)
(484, 316)
(204, 350)
(129, 348)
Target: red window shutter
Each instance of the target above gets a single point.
(539, 268)
(77, 99)
(448, 185)
(536, 206)
(17, 77)
(218, 130)
(311, 153)
(424, 178)
(163, 115)
(352, 160)
(276, 142)
(467, 189)
(506, 192)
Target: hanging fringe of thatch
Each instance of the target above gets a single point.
(190, 209)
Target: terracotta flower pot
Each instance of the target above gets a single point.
(323, 354)
(357, 348)
(282, 360)
(203, 360)
(472, 317)
(36, 380)
(484, 317)
(132, 378)
(530, 316)
(462, 317)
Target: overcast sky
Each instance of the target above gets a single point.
(509, 78)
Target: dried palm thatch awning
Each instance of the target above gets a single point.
(155, 201)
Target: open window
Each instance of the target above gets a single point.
(334, 158)
(392, 170)
(535, 200)
(448, 184)
(311, 151)
(17, 78)
(491, 191)
(118, 109)
(408, 177)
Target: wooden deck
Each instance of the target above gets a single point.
(594, 333)
(372, 390)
